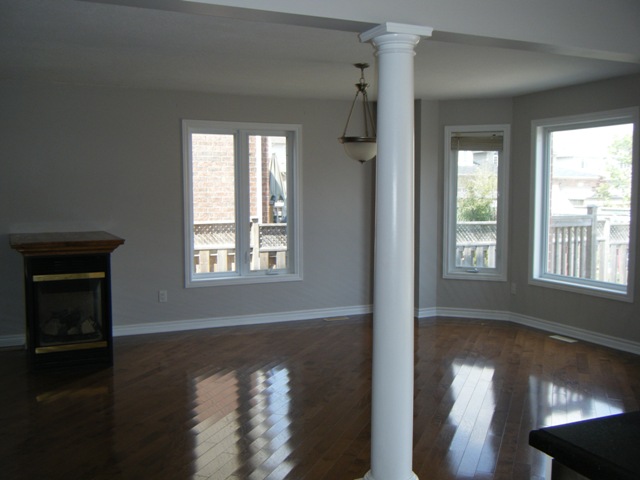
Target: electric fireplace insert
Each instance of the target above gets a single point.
(67, 278)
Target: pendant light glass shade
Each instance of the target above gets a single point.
(362, 148)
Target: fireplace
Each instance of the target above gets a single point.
(68, 297)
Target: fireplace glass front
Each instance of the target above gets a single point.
(69, 311)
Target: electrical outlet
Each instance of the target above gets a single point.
(162, 296)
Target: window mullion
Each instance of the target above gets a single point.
(291, 212)
(546, 192)
(242, 203)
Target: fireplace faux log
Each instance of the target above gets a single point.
(68, 297)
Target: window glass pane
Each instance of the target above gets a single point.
(214, 205)
(476, 208)
(589, 203)
(268, 202)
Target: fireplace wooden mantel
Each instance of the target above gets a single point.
(64, 243)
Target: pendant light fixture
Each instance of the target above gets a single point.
(361, 148)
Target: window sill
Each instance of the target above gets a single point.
(593, 290)
(210, 281)
(480, 275)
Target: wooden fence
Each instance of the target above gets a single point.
(476, 244)
(581, 246)
(215, 246)
(585, 246)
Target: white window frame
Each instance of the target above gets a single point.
(450, 270)
(243, 273)
(540, 184)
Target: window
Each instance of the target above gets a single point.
(585, 208)
(476, 172)
(242, 204)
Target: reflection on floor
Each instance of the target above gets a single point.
(293, 401)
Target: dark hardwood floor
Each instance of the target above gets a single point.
(293, 401)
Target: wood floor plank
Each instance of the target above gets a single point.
(293, 401)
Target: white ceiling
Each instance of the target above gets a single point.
(68, 41)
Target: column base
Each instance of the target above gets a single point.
(369, 476)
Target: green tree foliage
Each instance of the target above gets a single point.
(477, 196)
(617, 186)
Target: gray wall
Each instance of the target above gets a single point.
(428, 205)
(83, 158)
(80, 158)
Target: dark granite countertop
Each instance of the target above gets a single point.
(599, 449)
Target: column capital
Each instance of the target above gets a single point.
(395, 28)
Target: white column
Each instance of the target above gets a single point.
(393, 302)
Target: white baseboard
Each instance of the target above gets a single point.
(578, 333)
(472, 313)
(235, 321)
(218, 322)
(425, 312)
(177, 326)
(552, 327)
